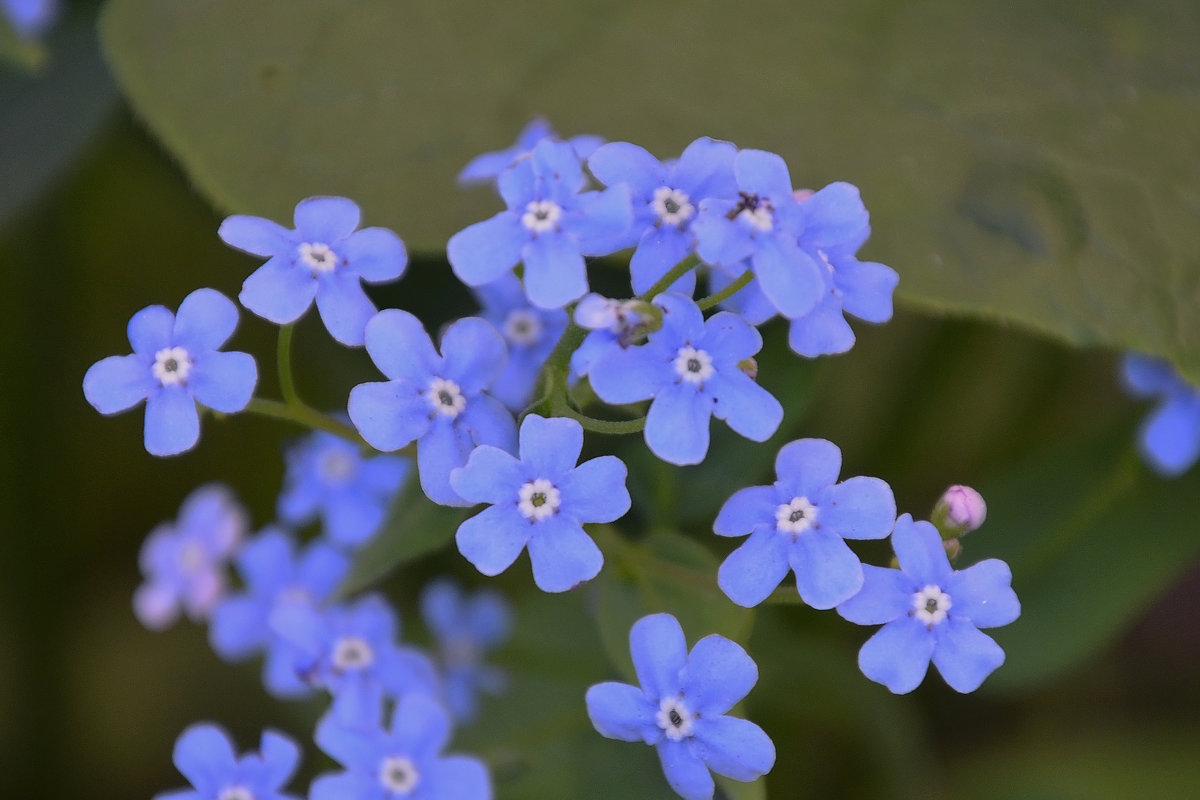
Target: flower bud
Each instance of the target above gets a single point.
(749, 366)
(960, 510)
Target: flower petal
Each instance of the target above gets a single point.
(760, 172)
(458, 778)
(750, 573)
(898, 655)
(344, 307)
(489, 476)
(867, 289)
(550, 447)
(554, 270)
(827, 570)
(686, 773)
(388, 415)
(735, 748)
(629, 375)
(475, 354)
(622, 162)
(204, 755)
(376, 254)
(326, 219)
(420, 726)
(118, 383)
(745, 406)
(621, 711)
(886, 594)
(1170, 439)
(256, 236)
(858, 508)
(483, 252)
(595, 491)
(400, 347)
(658, 250)
(677, 425)
(493, 538)
(718, 674)
(659, 653)
(278, 291)
(983, 594)
(150, 330)
(223, 381)
(920, 551)
(806, 466)
(562, 554)
(444, 448)
(965, 656)
(172, 422)
(206, 319)
(823, 331)
(789, 277)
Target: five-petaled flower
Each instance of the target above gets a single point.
(205, 756)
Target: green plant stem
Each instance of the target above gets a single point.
(300, 414)
(283, 358)
(673, 274)
(729, 291)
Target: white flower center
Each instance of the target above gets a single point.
(541, 216)
(235, 793)
(672, 206)
(674, 718)
(319, 257)
(399, 775)
(796, 516)
(754, 211)
(338, 466)
(523, 327)
(445, 397)
(694, 366)
(930, 605)
(191, 557)
(538, 499)
(352, 652)
(171, 365)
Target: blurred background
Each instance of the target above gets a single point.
(1101, 694)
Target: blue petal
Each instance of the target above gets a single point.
(255, 235)
(718, 674)
(827, 570)
(677, 425)
(400, 347)
(550, 447)
(204, 755)
(762, 173)
(729, 338)
(282, 672)
(705, 169)
(983, 593)
(806, 466)
(302, 627)
(485, 167)
(833, 215)
(554, 270)
(444, 448)
(357, 785)
(280, 756)
(1146, 376)
(720, 241)
(685, 771)
(278, 291)
(442, 606)
(964, 656)
(748, 408)
(384, 474)
(376, 254)
(749, 301)
(265, 563)
(156, 605)
(557, 163)
(1170, 439)
(518, 185)
(822, 331)
(344, 307)
(475, 354)
(898, 655)
(595, 490)
(356, 749)
(490, 476)
(150, 330)
(858, 508)
(206, 319)
(629, 375)
(681, 317)
(326, 219)
(489, 618)
(659, 654)
(735, 748)
(621, 711)
(353, 517)
(483, 252)
(607, 218)
(789, 277)
(493, 538)
(754, 570)
(562, 554)
(920, 551)
(746, 509)
(585, 144)
(321, 569)
(420, 726)
(487, 421)
(118, 383)
(239, 627)
(224, 381)
(622, 162)
(867, 289)
(388, 415)
(458, 778)
(886, 594)
(658, 251)
(172, 422)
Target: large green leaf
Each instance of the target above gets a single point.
(1025, 161)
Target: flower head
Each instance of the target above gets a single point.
(204, 754)
(1170, 438)
(959, 511)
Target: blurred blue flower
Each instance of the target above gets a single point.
(30, 18)
(929, 611)
(540, 500)
(466, 628)
(175, 365)
(681, 707)
(487, 167)
(801, 523)
(613, 324)
(204, 754)
(1170, 438)
(324, 257)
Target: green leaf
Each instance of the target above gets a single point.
(1024, 161)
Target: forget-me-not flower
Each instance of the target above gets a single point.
(466, 627)
(438, 400)
(1170, 438)
(690, 370)
(176, 364)
(324, 257)
(487, 167)
(800, 524)
(929, 611)
(681, 707)
(550, 225)
(403, 761)
(184, 562)
(204, 754)
(540, 499)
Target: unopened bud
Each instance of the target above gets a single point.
(750, 367)
(953, 549)
(960, 510)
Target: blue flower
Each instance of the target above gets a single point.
(614, 324)
(175, 365)
(930, 611)
(665, 201)
(762, 227)
(30, 18)
(405, 761)
(274, 575)
(550, 225)
(328, 476)
(529, 332)
(184, 562)
(1170, 438)
(466, 628)
(324, 257)
(690, 369)
(541, 500)
(800, 523)
(438, 400)
(681, 707)
(351, 651)
(487, 167)
(204, 754)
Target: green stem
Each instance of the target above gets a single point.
(673, 274)
(283, 357)
(610, 426)
(729, 291)
(301, 414)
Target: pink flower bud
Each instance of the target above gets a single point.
(962, 507)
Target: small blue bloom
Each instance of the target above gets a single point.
(801, 523)
(550, 225)
(175, 365)
(351, 651)
(324, 257)
(204, 754)
(1170, 438)
(487, 167)
(274, 575)
(614, 324)
(665, 200)
(438, 400)
(403, 761)
(466, 628)
(930, 611)
(690, 369)
(540, 500)
(184, 562)
(529, 332)
(30, 18)
(681, 707)
(328, 476)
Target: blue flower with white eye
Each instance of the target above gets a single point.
(275, 575)
(325, 258)
(176, 364)
(550, 225)
(438, 400)
(466, 627)
(541, 500)
(328, 476)
(929, 611)
(800, 524)
(204, 754)
(529, 332)
(681, 707)
(665, 201)
(689, 369)
(184, 562)
(487, 167)
(1170, 438)
(403, 761)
